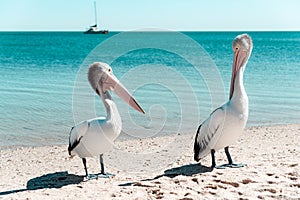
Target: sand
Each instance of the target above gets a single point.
(160, 168)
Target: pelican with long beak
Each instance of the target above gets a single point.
(226, 123)
(95, 136)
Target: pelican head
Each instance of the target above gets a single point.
(242, 47)
(102, 79)
(242, 43)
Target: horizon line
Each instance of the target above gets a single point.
(161, 30)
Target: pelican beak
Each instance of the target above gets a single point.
(110, 82)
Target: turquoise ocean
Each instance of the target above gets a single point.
(44, 89)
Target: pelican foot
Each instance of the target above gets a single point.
(221, 166)
(233, 165)
(105, 175)
(92, 176)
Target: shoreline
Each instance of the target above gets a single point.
(159, 168)
(122, 138)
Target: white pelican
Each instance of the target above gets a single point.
(95, 136)
(226, 123)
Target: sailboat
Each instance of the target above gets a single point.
(94, 29)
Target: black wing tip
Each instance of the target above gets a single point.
(196, 151)
(196, 146)
(71, 147)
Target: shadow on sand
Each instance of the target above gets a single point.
(52, 180)
(185, 170)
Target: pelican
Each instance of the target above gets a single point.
(95, 136)
(226, 123)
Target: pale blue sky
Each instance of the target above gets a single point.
(209, 15)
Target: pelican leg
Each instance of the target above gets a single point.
(85, 168)
(230, 163)
(102, 164)
(103, 174)
(88, 176)
(213, 161)
(228, 155)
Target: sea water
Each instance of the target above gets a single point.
(178, 79)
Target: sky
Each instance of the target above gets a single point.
(127, 15)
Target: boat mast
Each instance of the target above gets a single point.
(95, 14)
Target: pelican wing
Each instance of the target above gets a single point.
(76, 134)
(208, 133)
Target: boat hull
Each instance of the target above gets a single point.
(96, 32)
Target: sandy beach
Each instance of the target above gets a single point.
(159, 168)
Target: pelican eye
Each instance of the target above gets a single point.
(109, 70)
